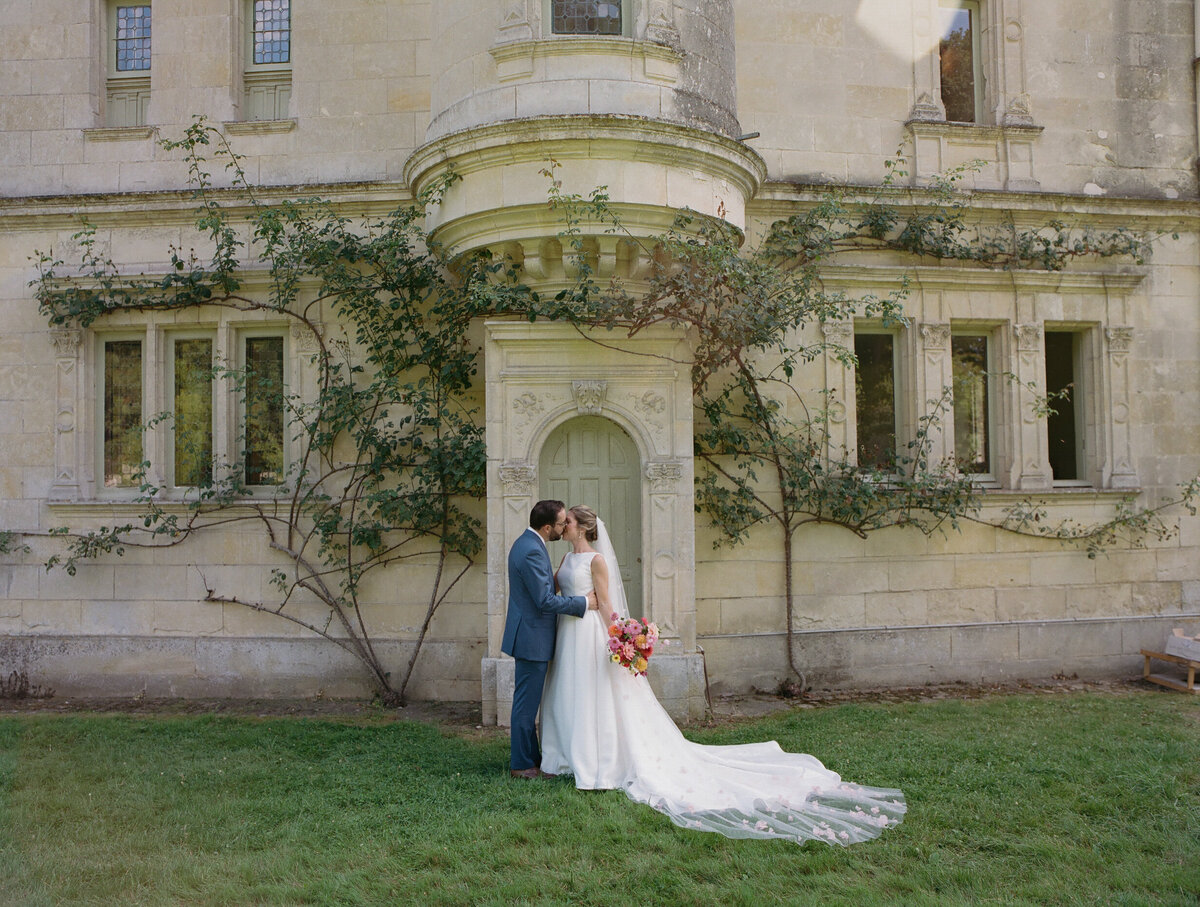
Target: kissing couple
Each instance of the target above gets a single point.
(602, 723)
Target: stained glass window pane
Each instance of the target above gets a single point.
(958, 63)
(586, 17)
(122, 412)
(264, 410)
(272, 31)
(193, 411)
(970, 377)
(875, 397)
(133, 38)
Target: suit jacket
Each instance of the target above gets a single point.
(533, 608)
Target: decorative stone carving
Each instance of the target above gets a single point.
(1120, 339)
(935, 335)
(527, 405)
(664, 477)
(518, 479)
(304, 338)
(837, 412)
(1029, 337)
(650, 403)
(661, 26)
(66, 342)
(840, 333)
(927, 109)
(1019, 112)
(589, 396)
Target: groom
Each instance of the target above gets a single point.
(531, 625)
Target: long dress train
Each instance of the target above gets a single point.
(605, 726)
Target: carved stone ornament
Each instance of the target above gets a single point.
(1029, 337)
(1018, 112)
(663, 476)
(661, 27)
(518, 479)
(837, 332)
(927, 109)
(527, 405)
(66, 342)
(1120, 339)
(304, 338)
(589, 396)
(651, 403)
(935, 335)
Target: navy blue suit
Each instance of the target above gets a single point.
(530, 629)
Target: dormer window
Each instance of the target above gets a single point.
(586, 17)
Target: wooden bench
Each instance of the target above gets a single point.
(1173, 682)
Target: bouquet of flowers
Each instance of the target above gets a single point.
(631, 642)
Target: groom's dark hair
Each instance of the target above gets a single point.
(545, 513)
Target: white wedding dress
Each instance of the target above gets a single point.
(605, 726)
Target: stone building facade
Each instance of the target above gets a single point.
(1084, 112)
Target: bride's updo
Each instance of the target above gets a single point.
(587, 519)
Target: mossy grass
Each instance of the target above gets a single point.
(1080, 798)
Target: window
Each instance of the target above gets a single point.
(1064, 394)
(586, 17)
(263, 417)
(192, 406)
(875, 399)
(180, 431)
(128, 86)
(972, 407)
(268, 75)
(121, 425)
(959, 57)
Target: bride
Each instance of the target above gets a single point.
(604, 725)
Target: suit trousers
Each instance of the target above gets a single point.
(529, 680)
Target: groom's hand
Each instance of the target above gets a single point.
(593, 604)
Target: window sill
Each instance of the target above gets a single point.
(258, 127)
(972, 131)
(118, 133)
(516, 60)
(120, 508)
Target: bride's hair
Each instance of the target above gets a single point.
(586, 518)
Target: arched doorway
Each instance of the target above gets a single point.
(591, 460)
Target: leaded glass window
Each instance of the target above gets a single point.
(122, 419)
(193, 397)
(586, 17)
(132, 39)
(875, 399)
(272, 31)
(264, 411)
(972, 443)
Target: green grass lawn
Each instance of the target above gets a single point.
(1081, 798)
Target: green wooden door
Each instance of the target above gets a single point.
(591, 461)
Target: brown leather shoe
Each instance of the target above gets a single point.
(542, 774)
(526, 774)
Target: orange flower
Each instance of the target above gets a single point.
(640, 664)
(614, 630)
(640, 640)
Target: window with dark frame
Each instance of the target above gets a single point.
(875, 399)
(1063, 394)
(969, 370)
